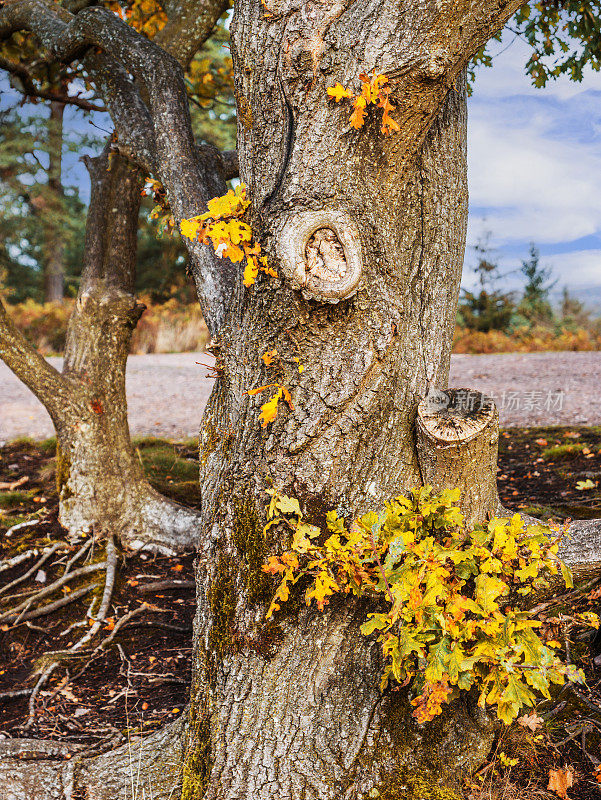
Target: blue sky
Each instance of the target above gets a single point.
(535, 169)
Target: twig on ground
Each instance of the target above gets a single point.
(28, 523)
(158, 586)
(15, 693)
(12, 485)
(50, 607)
(112, 558)
(86, 546)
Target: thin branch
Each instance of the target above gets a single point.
(21, 72)
(50, 608)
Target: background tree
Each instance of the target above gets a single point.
(42, 224)
(535, 305)
(101, 483)
(490, 308)
(367, 234)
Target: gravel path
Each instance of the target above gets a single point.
(166, 394)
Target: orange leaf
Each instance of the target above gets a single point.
(269, 357)
(338, 92)
(110, 624)
(260, 389)
(358, 115)
(177, 568)
(560, 780)
(96, 406)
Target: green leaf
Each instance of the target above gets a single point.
(566, 574)
(376, 622)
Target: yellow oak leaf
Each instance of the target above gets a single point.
(251, 270)
(190, 227)
(269, 410)
(338, 92)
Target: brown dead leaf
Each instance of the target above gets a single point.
(532, 721)
(69, 695)
(560, 780)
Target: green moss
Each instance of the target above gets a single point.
(15, 499)
(48, 446)
(410, 785)
(197, 763)
(208, 441)
(562, 451)
(222, 602)
(63, 468)
(250, 543)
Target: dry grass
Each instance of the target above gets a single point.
(526, 340)
(167, 328)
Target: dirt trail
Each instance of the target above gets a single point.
(167, 393)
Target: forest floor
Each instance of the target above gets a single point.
(140, 678)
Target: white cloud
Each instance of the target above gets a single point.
(535, 167)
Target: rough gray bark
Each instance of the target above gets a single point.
(300, 714)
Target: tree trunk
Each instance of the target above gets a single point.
(297, 708)
(54, 263)
(100, 480)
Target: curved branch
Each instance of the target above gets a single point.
(189, 180)
(37, 374)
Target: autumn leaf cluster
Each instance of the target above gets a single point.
(146, 16)
(223, 227)
(375, 91)
(450, 622)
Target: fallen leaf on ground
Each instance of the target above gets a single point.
(532, 721)
(560, 780)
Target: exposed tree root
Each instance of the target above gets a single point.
(45, 556)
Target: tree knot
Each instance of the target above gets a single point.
(321, 254)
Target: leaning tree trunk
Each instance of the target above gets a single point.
(100, 480)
